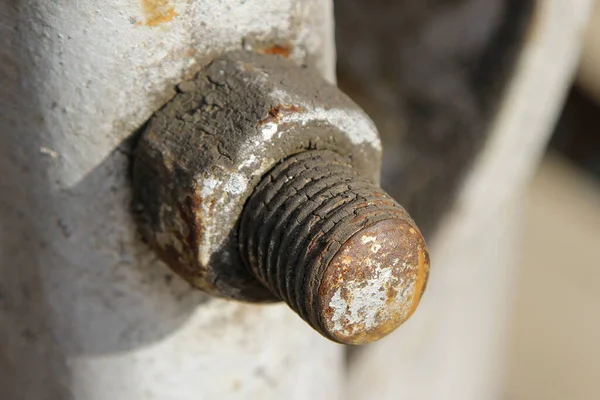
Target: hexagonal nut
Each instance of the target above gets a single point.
(200, 156)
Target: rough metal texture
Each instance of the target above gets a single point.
(341, 252)
(86, 309)
(199, 158)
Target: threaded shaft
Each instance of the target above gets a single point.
(298, 218)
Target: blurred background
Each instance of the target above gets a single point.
(555, 327)
(431, 74)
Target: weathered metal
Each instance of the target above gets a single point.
(200, 158)
(335, 247)
(86, 309)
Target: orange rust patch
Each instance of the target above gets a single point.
(278, 50)
(422, 276)
(157, 12)
(276, 112)
(373, 283)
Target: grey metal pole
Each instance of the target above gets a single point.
(86, 310)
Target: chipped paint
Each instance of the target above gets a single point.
(48, 151)
(358, 128)
(367, 301)
(208, 186)
(353, 122)
(367, 291)
(268, 130)
(157, 12)
(251, 160)
(236, 185)
(280, 50)
(214, 189)
(276, 113)
(368, 239)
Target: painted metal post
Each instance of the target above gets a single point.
(86, 310)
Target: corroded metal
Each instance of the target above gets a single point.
(341, 252)
(216, 202)
(199, 158)
(374, 283)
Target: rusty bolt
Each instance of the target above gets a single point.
(258, 182)
(335, 247)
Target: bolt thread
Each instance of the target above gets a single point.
(297, 219)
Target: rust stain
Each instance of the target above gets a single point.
(535, 23)
(276, 112)
(177, 249)
(374, 282)
(194, 223)
(422, 277)
(278, 50)
(170, 256)
(157, 12)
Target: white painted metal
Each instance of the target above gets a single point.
(86, 311)
(454, 347)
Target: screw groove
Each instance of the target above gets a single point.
(297, 220)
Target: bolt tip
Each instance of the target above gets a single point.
(374, 282)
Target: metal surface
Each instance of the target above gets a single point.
(341, 252)
(200, 158)
(86, 309)
(87, 312)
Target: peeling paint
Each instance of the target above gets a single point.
(157, 12)
(277, 112)
(237, 184)
(367, 291)
(248, 162)
(358, 127)
(268, 130)
(48, 151)
(367, 300)
(208, 186)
